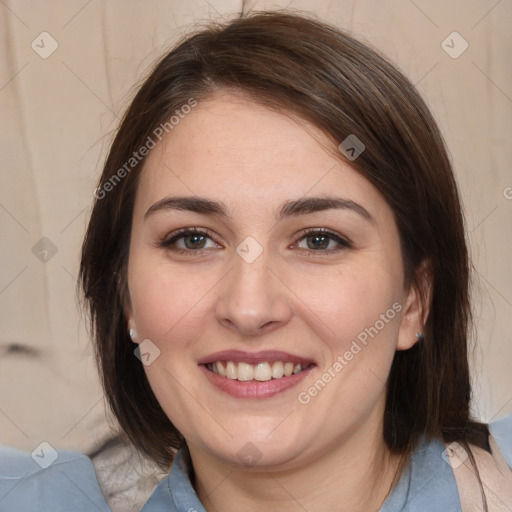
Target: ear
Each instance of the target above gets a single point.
(132, 328)
(124, 295)
(416, 307)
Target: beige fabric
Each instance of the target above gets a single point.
(495, 474)
(126, 478)
(58, 114)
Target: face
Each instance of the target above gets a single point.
(266, 285)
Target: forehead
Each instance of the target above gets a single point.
(245, 153)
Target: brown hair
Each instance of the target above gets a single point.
(301, 66)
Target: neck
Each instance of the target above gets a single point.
(355, 476)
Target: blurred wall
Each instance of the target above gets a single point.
(67, 72)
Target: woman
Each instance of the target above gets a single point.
(278, 231)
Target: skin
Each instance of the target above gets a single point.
(328, 454)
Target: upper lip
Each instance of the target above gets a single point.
(254, 357)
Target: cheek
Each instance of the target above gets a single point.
(356, 315)
(343, 306)
(169, 308)
(359, 329)
(167, 302)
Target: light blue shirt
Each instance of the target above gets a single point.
(69, 484)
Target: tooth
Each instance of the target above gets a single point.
(262, 372)
(220, 369)
(277, 370)
(231, 372)
(288, 369)
(245, 371)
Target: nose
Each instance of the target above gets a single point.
(253, 300)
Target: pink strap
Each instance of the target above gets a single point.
(494, 472)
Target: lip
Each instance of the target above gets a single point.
(254, 389)
(239, 356)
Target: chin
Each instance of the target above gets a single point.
(252, 453)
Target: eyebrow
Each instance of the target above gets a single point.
(292, 208)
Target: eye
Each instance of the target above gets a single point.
(189, 240)
(321, 240)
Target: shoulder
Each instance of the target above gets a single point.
(16, 463)
(427, 482)
(48, 479)
(501, 430)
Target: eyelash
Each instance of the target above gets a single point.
(343, 242)
(170, 241)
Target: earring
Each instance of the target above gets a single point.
(419, 336)
(132, 334)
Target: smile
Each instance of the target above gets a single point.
(262, 372)
(255, 375)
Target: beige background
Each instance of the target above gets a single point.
(58, 115)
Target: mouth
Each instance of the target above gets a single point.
(261, 372)
(255, 375)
